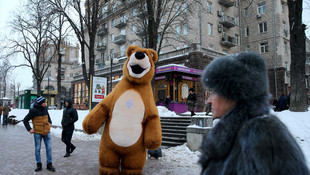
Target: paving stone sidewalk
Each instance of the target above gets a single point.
(17, 156)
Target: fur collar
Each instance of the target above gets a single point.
(218, 143)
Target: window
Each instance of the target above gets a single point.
(104, 9)
(71, 74)
(236, 20)
(112, 37)
(184, 29)
(177, 29)
(122, 50)
(248, 48)
(211, 46)
(261, 8)
(184, 7)
(209, 7)
(263, 27)
(123, 32)
(264, 47)
(284, 29)
(134, 29)
(247, 31)
(185, 45)
(177, 9)
(282, 7)
(113, 22)
(123, 18)
(210, 30)
(237, 39)
(158, 38)
(134, 12)
(246, 12)
(104, 41)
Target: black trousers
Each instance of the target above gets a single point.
(66, 136)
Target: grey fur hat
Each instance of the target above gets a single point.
(241, 77)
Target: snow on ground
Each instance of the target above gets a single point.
(297, 122)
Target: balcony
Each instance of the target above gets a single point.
(227, 21)
(102, 31)
(228, 41)
(120, 23)
(226, 3)
(120, 39)
(101, 48)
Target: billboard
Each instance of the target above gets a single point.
(99, 88)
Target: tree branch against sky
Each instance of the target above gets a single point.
(31, 27)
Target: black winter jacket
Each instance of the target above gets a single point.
(69, 116)
(249, 140)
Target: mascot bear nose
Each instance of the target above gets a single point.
(139, 55)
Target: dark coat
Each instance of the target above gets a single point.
(191, 102)
(247, 141)
(69, 116)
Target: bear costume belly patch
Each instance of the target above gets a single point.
(127, 116)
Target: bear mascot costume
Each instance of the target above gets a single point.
(131, 119)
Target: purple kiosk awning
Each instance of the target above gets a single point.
(176, 68)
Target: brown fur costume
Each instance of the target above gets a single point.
(131, 117)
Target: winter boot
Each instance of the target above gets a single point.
(50, 167)
(39, 167)
(67, 155)
(72, 149)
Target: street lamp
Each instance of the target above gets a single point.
(18, 86)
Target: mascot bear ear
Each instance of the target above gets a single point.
(154, 55)
(131, 50)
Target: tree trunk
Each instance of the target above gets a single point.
(298, 96)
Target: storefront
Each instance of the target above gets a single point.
(175, 80)
(26, 99)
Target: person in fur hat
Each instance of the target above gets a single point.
(247, 139)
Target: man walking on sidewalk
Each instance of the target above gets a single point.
(41, 129)
(69, 117)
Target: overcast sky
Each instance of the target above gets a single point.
(24, 75)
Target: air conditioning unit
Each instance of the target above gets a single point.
(258, 16)
(220, 30)
(219, 13)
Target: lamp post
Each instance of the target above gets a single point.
(18, 86)
(48, 88)
(111, 60)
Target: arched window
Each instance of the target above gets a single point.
(184, 91)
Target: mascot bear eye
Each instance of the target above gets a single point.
(137, 69)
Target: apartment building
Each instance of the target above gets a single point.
(211, 28)
(69, 67)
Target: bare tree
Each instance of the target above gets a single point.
(298, 99)
(85, 28)
(60, 32)
(5, 69)
(31, 26)
(160, 19)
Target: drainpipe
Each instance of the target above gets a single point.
(201, 12)
(240, 28)
(275, 49)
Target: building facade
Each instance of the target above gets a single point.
(211, 28)
(69, 67)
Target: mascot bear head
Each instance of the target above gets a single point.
(139, 66)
